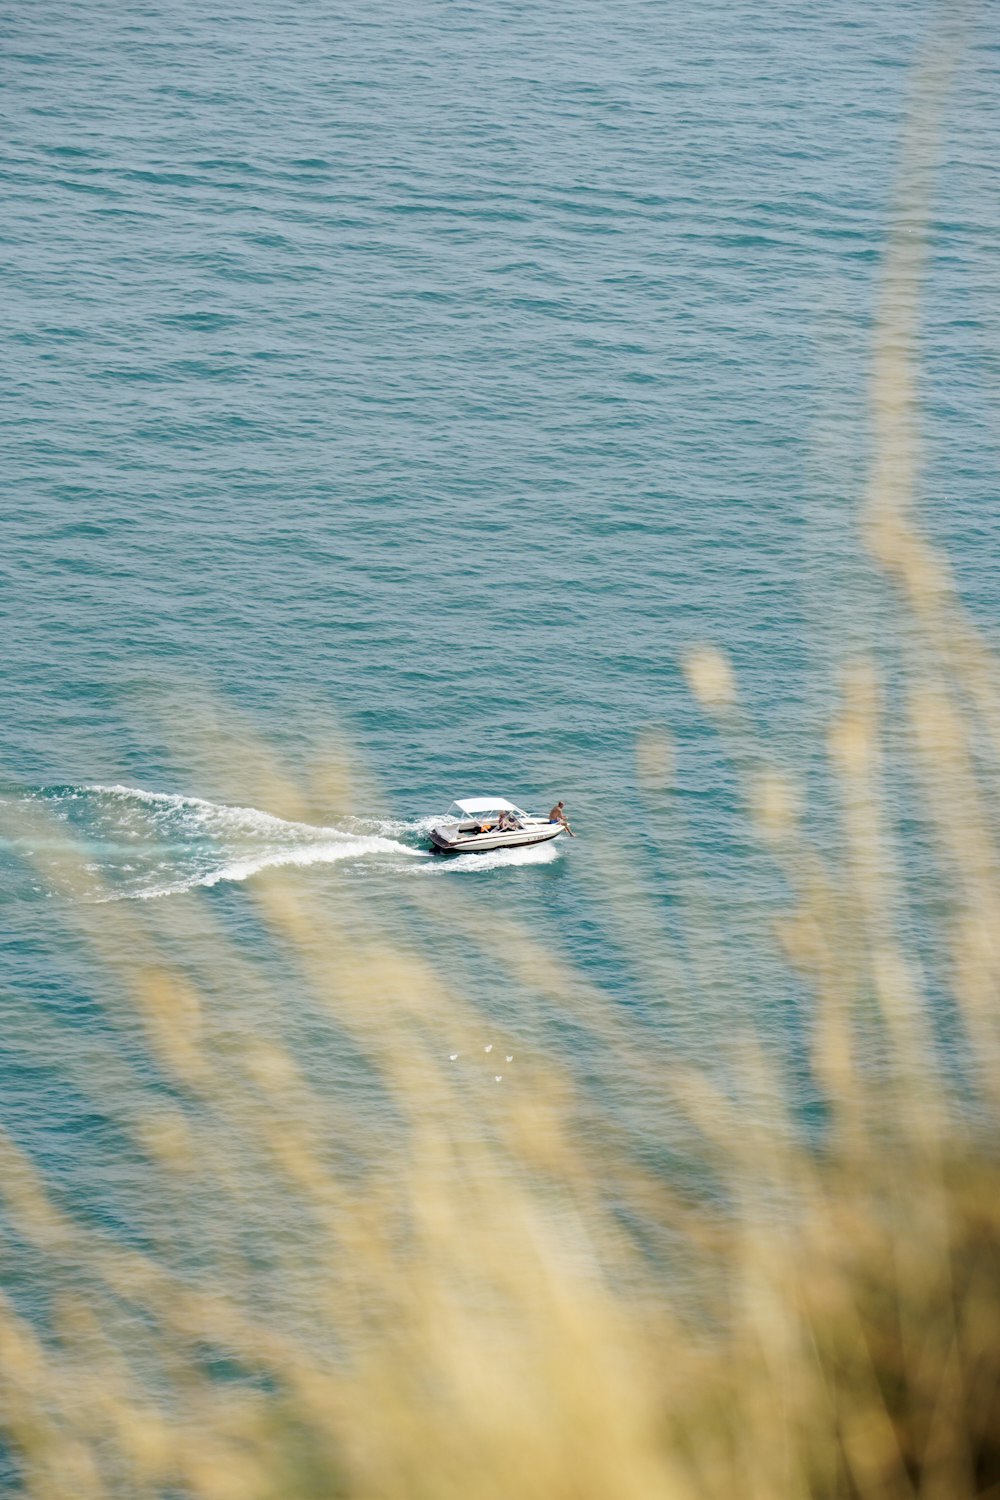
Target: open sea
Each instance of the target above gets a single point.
(409, 387)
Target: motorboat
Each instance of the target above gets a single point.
(477, 824)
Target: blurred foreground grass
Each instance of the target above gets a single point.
(508, 1311)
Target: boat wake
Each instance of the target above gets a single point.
(122, 843)
(494, 859)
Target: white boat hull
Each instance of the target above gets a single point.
(451, 839)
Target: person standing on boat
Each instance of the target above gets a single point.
(558, 816)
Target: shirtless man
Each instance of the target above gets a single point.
(558, 816)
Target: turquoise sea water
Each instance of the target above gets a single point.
(434, 375)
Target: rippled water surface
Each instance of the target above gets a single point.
(432, 375)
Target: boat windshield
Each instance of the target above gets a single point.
(483, 812)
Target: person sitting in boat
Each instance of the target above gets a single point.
(558, 816)
(508, 823)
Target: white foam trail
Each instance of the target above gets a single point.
(496, 859)
(242, 869)
(221, 815)
(245, 839)
(398, 827)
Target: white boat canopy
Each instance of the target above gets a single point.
(472, 805)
